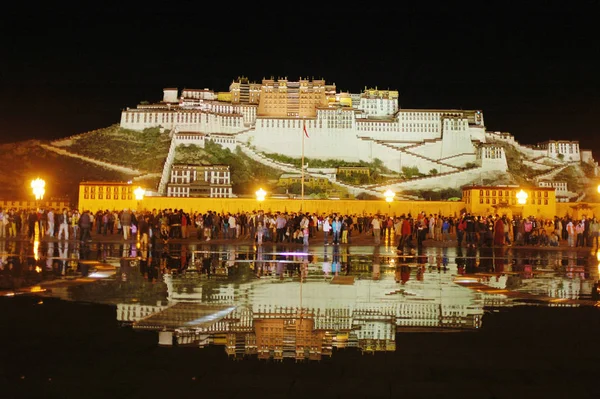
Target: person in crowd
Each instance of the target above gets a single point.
(594, 232)
(260, 233)
(336, 228)
(499, 234)
(579, 233)
(376, 227)
(85, 224)
(125, 220)
(305, 226)
(326, 226)
(63, 224)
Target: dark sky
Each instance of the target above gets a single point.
(532, 68)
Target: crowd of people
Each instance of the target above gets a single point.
(405, 231)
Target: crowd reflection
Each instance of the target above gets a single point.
(328, 295)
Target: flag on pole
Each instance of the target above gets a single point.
(305, 132)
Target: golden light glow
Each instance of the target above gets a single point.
(260, 194)
(36, 248)
(389, 195)
(39, 188)
(522, 197)
(598, 188)
(139, 193)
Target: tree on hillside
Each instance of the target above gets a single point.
(410, 171)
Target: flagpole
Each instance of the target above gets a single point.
(303, 134)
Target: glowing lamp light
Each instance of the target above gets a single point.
(38, 186)
(522, 197)
(139, 193)
(389, 195)
(260, 194)
(598, 188)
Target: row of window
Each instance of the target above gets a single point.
(107, 196)
(4, 204)
(415, 116)
(92, 189)
(505, 193)
(513, 201)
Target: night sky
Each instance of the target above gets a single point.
(532, 68)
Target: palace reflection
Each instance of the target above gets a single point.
(302, 305)
(275, 302)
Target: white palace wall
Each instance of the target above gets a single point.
(191, 121)
(477, 133)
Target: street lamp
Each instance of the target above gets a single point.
(139, 195)
(522, 200)
(522, 197)
(389, 197)
(260, 196)
(39, 189)
(38, 186)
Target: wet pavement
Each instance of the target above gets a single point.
(284, 320)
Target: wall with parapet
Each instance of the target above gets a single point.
(184, 120)
(358, 207)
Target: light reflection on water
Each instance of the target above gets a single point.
(276, 302)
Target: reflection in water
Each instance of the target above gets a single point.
(275, 302)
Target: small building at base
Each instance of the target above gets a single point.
(502, 200)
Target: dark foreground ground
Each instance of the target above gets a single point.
(59, 349)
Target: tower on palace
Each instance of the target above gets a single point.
(289, 99)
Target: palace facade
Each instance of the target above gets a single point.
(310, 117)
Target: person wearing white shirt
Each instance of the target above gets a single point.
(232, 227)
(376, 226)
(326, 229)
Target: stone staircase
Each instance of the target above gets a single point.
(552, 172)
(406, 151)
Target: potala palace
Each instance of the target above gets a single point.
(270, 117)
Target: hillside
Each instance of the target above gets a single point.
(144, 151)
(23, 161)
(116, 154)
